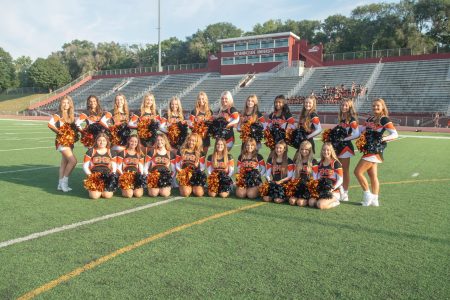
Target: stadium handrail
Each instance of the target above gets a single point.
(153, 69)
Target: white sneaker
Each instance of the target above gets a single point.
(374, 201)
(65, 185)
(344, 197)
(59, 188)
(367, 199)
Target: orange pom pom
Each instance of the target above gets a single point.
(142, 128)
(269, 139)
(67, 136)
(290, 187)
(126, 180)
(94, 182)
(312, 188)
(326, 135)
(115, 138)
(172, 133)
(87, 139)
(245, 131)
(152, 179)
(213, 182)
(184, 176)
(200, 128)
(240, 179)
(264, 189)
(361, 142)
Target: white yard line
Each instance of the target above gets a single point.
(426, 137)
(78, 224)
(31, 169)
(20, 149)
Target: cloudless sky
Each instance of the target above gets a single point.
(36, 28)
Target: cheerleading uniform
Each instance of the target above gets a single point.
(134, 121)
(127, 162)
(274, 170)
(89, 118)
(285, 121)
(384, 125)
(189, 159)
(314, 129)
(333, 172)
(220, 165)
(231, 115)
(108, 118)
(55, 123)
(303, 172)
(352, 129)
(96, 162)
(154, 161)
(253, 163)
(166, 121)
(200, 117)
(250, 118)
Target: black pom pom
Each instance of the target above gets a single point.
(278, 133)
(140, 181)
(374, 144)
(225, 183)
(302, 190)
(252, 178)
(257, 131)
(165, 178)
(218, 129)
(124, 133)
(198, 178)
(111, 181)
(324, 188)
(336, 137)
(276, 191)
(296, 137)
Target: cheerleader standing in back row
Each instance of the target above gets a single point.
(250, 160)
(280, 169)
(56, 123)
(220, 161)
(329, 167)
(94, 111)
(348, 120)
(281, 114)
(309, 120)
(231, 115)
(250, 114)
(173, 116)
(120, 116)
(379, 122)
(200, 114)
(131, 160)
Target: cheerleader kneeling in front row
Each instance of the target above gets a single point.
(220, 166)
(130, 165)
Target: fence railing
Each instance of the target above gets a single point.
(154, 69)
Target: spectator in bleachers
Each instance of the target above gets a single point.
(230, 113)
(309, 119)
(120, 116)
(199, 114)
(281, 114)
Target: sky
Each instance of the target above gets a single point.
(38, 28)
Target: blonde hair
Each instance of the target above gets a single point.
(284, 164)
(152, 105)
(299, 159)
(224, 152)
(244, 148)
(351, 111)
(333, 153)
(305, 115)
(197, 104)
(230, 99)
(197, 147)
(69, 117)
(255, 108)
(166, 141)
(125, 106)
(384, 113)
(180, 108)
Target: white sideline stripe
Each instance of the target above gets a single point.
(78, 224)
(426, 137)
(19, 149)
(23, 120)
(22, 139)
(32, 169)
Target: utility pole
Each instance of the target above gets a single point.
(159, 36)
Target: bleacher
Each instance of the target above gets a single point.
(413, 86)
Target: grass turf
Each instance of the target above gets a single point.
(399, 250)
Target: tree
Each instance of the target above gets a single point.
(22, 65)
(7, 71)
(49, 73)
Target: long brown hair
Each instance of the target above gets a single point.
(197, 105)
(98, 109)
(333, 153)
(170, 113)
(244, 152)
(255, 110)
(108, 142)
(166, 140)
(197, 147)
(384, 113)
(347, 115)
(125, 107)
(152, 106)
(284, 164)
(67, 117)
(299, 159)
(225, 153)
(138, 146)
(305, 115)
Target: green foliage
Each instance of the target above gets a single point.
(22, 65)
(7, 71)
(49, 73)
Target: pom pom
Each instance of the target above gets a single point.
(89, 134)
(152, 179)
(94, 182)
(294, 137)
(276, 191)
(213, 182)
(165, 178)
(111, 181)
(225, 183)
(264, 189)
(184, 176)
(326, 135)
(324, 188)
(252, 130)
(370, 142)
(120, 134)
(218, 128)
(248, 179)
(127, 180)
(312, 188)
(177, 134)
(290, 187)
(274, 135)
(302, 190)
(336, 137)
(68, 135)
(198, 178)
(140, 181)
(200, 128)
(147, 130)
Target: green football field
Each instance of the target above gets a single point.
(56, 245)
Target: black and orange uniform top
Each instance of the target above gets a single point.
(90, 117)
(314, 128)
(187, 158)
(303, 173)
(385, 124)
(244, 118)
(232, 116)
(108, 119)
(127, 162)
(333, 171)
(154, 161)
(220, 165)
(96, 162)
(352, 128)
(166, 121)
(134, 119)
(55, 123)
(200, 117)
(247, 164)
(274, 170)
(284, 121)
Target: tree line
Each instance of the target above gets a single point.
(415, 24)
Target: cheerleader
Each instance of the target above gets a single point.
(349, 121)
(220, 162)
(131, 161)
(160, 159)
(305, 168)
(60, 124)
(379, 122)
(250, 114)
(99, 159)
(199, 115)
(281, 114)
(190, 156)
(94, 111)
(231, 115)
(250, 160)
(174, 117)
(280, 169)
(147, 115)
(309, 120)
(120, 116)
(330, 168)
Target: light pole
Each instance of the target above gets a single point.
(372, 47)
(159, 36)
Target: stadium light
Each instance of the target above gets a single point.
(159, 36)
